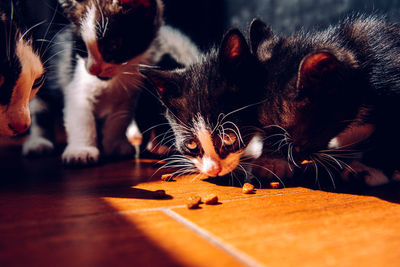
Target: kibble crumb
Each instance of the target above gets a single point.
(193, 202)
(275, 185)
(159, 194)
(247, 188)
(166, 177)
(211, 199)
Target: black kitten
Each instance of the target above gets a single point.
(337, 89)
(211, 107)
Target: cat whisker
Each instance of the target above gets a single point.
(242, 108)
(233, 175)
(155, 126)
(47, 31)
(267, 169)
(31, 28)
(316, 172)
(247, 172)
(291, 155)
(319, 161)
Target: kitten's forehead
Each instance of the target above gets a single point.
(120, 30)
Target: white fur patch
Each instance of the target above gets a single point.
(211, 163)
(254, 148)
(374, 177)
(88, 26)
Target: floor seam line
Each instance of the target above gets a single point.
(214, 240)
(132, 211)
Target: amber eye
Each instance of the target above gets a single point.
(191, 145)
(39, 82)
(229, 139)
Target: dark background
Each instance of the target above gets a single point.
(206, 20)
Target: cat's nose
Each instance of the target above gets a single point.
(214, 172)
(18, 128)
(95, 69)
(214, 169)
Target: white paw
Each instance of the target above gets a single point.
(37, 146)
(121, 148)
(133, 132)
(370, 176)
(80, 155)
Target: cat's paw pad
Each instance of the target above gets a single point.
(38, 146)
(120, 149)
(80, 155)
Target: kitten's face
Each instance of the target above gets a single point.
(211, 111)
(21, 76)
(111, 33)
(310, 93)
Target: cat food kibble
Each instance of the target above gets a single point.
(159, 194)
(274, 185)
(166, 177)
(304, 162)
(193, 202)
(211, 199)
(247, 188)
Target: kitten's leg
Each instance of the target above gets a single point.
(80, 126)
(115, 142)
(134, 136)
(368, 175)
(39, 140)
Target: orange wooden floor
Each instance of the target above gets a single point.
(108, 216)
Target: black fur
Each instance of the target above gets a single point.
(10, 66)
(318, 84)
(209, 89)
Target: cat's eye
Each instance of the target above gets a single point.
(115, 44)
(229, 139)
(39, 82)
(191, 145)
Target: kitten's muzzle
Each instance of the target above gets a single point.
(18, 128)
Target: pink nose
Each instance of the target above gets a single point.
(95, 69)
(18, 128)
(214, 170)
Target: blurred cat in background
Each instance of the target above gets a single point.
(21, 70)
(97, 71)
(331, 94)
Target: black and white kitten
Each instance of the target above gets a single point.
(332, 93)
(21, 70)
(211, 107)
(97, 71)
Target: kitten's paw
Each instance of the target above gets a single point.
(80, 155)
(364, 174)
(38, 146)
(122, 148)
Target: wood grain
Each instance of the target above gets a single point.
(107, 215)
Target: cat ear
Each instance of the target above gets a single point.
(259, 32)
(162, 81)
(234, 53)
(319, 71)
